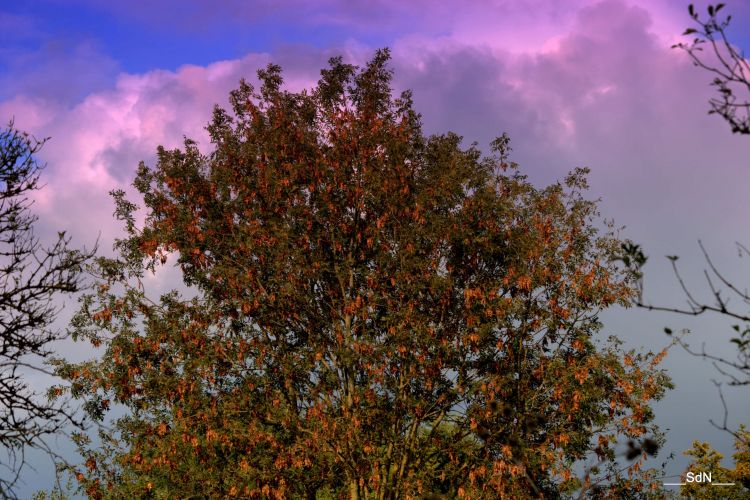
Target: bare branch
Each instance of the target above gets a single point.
(31, 277)
(730, 71)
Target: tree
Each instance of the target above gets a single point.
(31, 278)
(377, 314)
(732, 75)
(726, 62)
(736, 481)
(722, 289)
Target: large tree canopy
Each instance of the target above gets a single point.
(377, 314)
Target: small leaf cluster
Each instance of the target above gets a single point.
(706, 459)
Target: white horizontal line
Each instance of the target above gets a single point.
(712, 484)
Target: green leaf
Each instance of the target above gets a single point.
(667, 330)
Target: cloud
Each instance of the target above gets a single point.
(22, 27)
(516, 25)
(607, 92)
(55, 70)
(96, 144)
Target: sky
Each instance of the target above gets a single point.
(574, 83)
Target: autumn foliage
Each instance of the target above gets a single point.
(376, 314)
(735, 482)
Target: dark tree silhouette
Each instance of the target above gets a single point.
(31, 277)
(722, 291)
(731, 73)
(732, 77)
(726, 62)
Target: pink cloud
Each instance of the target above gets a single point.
(97, 143)
(57, 70)
(599, 87)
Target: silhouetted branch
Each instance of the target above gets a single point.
(731, 71)
(31, 277)
(724, 424)
(634, 259)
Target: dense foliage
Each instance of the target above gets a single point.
(735, 482)
(376, 314)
